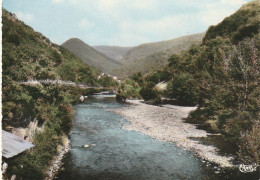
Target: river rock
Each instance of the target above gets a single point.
(81, 98)
(13, 177)
(55, 166)
(86, 146)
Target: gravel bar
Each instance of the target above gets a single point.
(165, 123)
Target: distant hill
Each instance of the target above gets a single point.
(151, 56)
(90, 55)
(115, 52)
(175, 45)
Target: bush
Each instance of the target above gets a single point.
(13, 38)
(57, 57)
(127, 89)
(107, 81)
(249, 145)
(148, 92)
(185, 90)
(66, 118)
(245, 31)
(238, 123)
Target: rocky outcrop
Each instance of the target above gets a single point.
(29, 132)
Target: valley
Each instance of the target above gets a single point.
(183, 108)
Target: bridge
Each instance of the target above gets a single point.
(59, 82)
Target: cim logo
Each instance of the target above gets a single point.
(248, 168)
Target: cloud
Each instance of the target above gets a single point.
(136, 21)
(164, 28)
(133, 4)
(215, 12)
(86, 24)
(233, 2)
(26, 17)
(130, 22)
(57, 1)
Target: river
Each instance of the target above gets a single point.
(113, 153)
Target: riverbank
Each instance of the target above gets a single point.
(57, 160)
(165, 124)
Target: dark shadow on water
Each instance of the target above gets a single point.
(225, 147)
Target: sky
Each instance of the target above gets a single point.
(120, 22)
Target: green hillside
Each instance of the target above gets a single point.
(91, 56)
(28, 55)
(221, 76)
(151, 56)
(115, 52)
(244, 23)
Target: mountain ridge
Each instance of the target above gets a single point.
(152, 56)
(90, 56)
(114, 52)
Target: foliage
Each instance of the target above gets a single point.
(244, 23)
(31, 164)
(148, 92)
(184, 89)
(221, 75)
(127, 89)
(137, 77)
(107, 81)
(29, 55)
(250, 144)
(157, 76)
(237, 123)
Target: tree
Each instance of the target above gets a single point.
(127, 89)
(148, 92)
(250, 144)
(107, 81)
(185, 90)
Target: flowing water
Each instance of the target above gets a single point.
(118, 154)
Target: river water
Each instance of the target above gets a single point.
(118, 154)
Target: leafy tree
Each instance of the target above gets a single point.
(184, 89)
(148, 92)
(107, 81)
(137, 77)
(249, 145)
(127, 89)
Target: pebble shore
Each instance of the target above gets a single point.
(57, 162)
(165, 123)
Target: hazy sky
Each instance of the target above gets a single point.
(120, 22)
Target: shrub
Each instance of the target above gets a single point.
(127, 89)
(13, 38)
(107, 81)
(249, 145)
(238, 123)
(57, 57)
(148, 92)
(185, 90)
